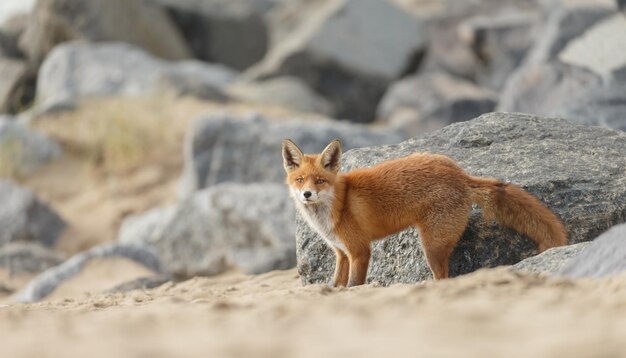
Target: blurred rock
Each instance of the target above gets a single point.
(24, 218)
(76, 70)
(285, 18)
(10, 32)
(544, 87)
(605, 256)
(247, 227)
(28, 257)
(234, 148)
(42, 285)
(17, 87)
(232, 32)
(480, 40)
(23, 150)
(499, 43)
(287, 92)
(430, 101)
(136, 22)
(348, 51)
(10, 9)
(586, 84)
(565, 20)
(577, 171)
(551, 261)
(601, 49)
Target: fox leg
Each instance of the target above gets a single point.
(359, 260)
(438, 243)
(342, 269)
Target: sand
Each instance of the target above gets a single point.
(489, 313)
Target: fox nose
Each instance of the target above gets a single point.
(307, 194)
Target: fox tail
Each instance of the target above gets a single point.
(515, 208)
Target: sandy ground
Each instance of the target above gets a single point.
(490, 313)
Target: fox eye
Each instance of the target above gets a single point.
(300, 180)
(320, 181)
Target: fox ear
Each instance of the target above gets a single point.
(331, 156)
(292, 155)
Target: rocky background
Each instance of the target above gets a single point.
(149, 131)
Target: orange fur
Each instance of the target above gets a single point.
(427, 191)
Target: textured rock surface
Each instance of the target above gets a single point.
(23, 150)
(382, 39)
(30, 257)
(24, 218)
(76, 70)
(287, 92)
(577, 171)
(605, 256)
(232, 32)
(49, 280)
(136, 22)
(248, 227)
(242, 149)
(431, 101)
(551, 261)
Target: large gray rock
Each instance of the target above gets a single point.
(247, 227)
(602, 49)
(24, 218)
(246, 149)
(579, 172)
(551, 261)
(28, 257)
(605, 256)
(479, 40)
(232, 32)
(348, 51)
(565, 21)
(431, 101)
(76, 70)
(23, 150)
(544, 88)
(46, 282)
(287, 92)
(132, 21)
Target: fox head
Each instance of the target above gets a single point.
(311, 178)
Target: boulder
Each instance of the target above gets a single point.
(246, 149)
(605, 256)
(565, 20)
(231, 32)
(348, 51)
(46, 282)
(28, 257)
(601, 49)
(430, 101)
(76, 70)
(584, 83)
(287, 92)
(499, 43)
(136, 22)
(247, 227)
(543, 88)
(579, 172)
(23, 150)
(551, 261)
(17, 87)
(479, 40)
(24, 218)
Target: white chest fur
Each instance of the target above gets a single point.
(318, 216)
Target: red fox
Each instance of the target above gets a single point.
(427, 191)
